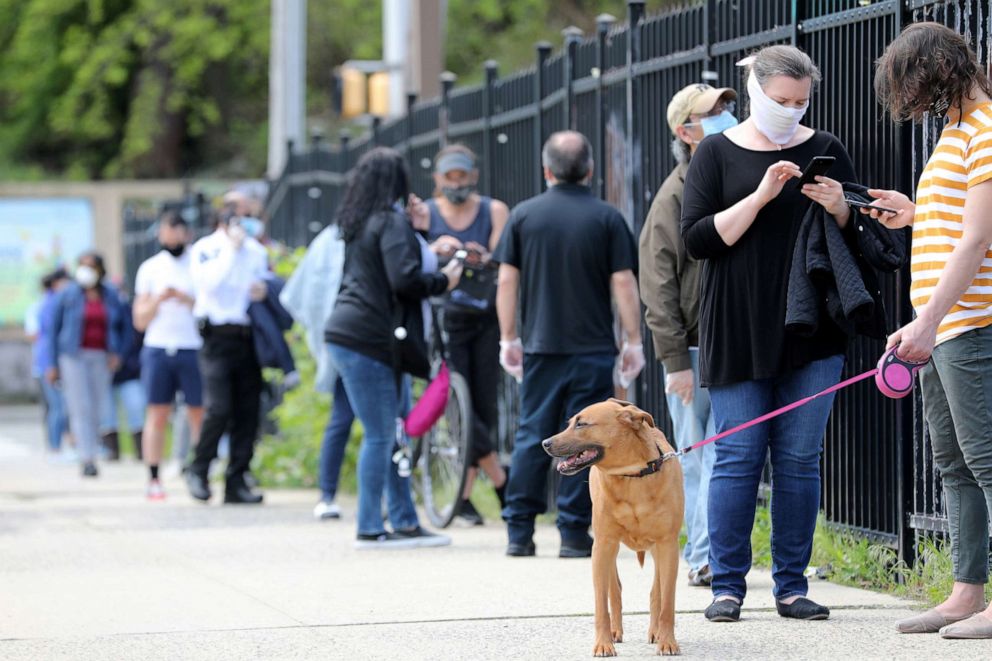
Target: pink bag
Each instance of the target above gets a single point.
(430, 407)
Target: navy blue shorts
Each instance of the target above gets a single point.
(163, 374)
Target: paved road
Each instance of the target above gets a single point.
(89, 570)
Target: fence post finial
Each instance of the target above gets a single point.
(447, 83)
(543, 52)
(488, 109)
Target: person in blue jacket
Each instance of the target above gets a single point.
(85, 345)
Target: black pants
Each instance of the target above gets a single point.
(232, 383)
(473, 349)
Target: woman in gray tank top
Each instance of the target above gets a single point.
(462, 219)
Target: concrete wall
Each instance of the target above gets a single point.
(16, 382)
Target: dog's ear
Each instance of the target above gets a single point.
(620, 401)
(635, 417)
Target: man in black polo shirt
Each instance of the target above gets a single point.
(565, 252)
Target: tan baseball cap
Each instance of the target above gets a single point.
(696, 99)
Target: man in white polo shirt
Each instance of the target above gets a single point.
(163, 309)
(229, 268)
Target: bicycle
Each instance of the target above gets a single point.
(441, 454)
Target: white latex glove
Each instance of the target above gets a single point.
(511, 358)
(680, 383)
(630, 362)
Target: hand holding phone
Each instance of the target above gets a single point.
(818, 167)
(864, 205)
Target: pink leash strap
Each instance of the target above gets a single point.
(777, 412)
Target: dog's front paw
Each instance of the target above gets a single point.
(653, 634)
(668, 647)
(617, 633)
(604, 648)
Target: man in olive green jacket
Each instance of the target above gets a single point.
(669, 284)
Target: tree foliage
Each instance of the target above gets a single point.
(147, 88)
(131, 88)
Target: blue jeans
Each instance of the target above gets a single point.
(371, 389)
(555, 387)
(55, 414)
(692, 424)
(795, 441)
(336, 436)
(131, 395)
(86, 383)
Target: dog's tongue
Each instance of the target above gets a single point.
(570, 462)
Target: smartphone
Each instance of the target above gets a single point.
(865, 205)
(818, 167)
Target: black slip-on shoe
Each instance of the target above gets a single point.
(241, 494)
(521, 549)
(802, 609)
(723, 610)
(198, 486)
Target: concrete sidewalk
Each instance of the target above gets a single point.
(89, 570)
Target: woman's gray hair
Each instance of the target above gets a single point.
(783, 60)
(681, 151)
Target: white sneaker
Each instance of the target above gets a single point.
(327, 509)
(172, 470)
(155, 491)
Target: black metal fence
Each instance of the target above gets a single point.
(614, 86)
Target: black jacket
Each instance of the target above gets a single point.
(269, 320)
(833, 271)
(130, 356)
(382, 268)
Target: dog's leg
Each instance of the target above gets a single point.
(604, 560)
(616, 607)
(655, 603)
(666, 563)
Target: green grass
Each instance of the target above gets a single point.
(848, 559)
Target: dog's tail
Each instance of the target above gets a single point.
(640, 557)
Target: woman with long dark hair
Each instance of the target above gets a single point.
(929, 71)
(376, 332)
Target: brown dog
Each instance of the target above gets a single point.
(637, 499)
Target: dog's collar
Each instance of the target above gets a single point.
(655, 465)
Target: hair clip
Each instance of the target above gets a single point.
(746, 62)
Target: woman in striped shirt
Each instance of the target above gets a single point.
(929, 70)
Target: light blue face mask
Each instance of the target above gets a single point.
(718, 124)
(253, 227)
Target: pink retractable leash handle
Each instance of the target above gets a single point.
(895, 375)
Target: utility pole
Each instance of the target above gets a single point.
(395, 52)
(287, 81)
(427, 46)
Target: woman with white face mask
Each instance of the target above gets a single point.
(86, 339)
(741, 213)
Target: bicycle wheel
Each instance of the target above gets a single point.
(445, 455)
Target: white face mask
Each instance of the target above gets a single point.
(87, 276)
(775, 121)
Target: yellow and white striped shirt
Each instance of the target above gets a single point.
(961, 159)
